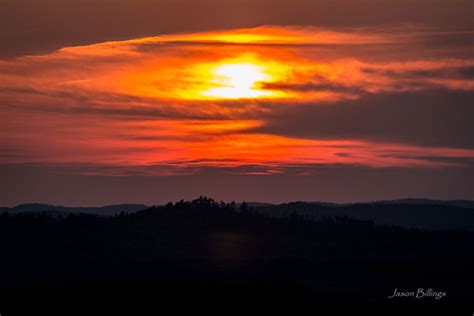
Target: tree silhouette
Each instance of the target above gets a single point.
(206, 240)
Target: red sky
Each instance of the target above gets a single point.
(337, 111)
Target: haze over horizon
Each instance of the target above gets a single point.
(268, 101)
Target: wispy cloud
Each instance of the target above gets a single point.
(142, 104)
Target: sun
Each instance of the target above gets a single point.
(237, 81)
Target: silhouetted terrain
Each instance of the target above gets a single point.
(457, 203)
(408, 213)
(109, 210)
(436, 216)
(229, 245)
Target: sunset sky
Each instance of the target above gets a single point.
(148, 101)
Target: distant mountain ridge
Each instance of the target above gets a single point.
(457, 203)
(410, 213)
(109, 210)
(417, 215)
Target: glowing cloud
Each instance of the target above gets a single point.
(193, 100)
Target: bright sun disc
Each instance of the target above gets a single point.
(238, 80)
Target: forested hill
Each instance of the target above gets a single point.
(217, 243)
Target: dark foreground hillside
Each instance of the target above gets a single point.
(209, 246)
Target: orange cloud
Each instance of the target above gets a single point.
(195, 99)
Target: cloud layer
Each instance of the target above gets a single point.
(398, 97)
